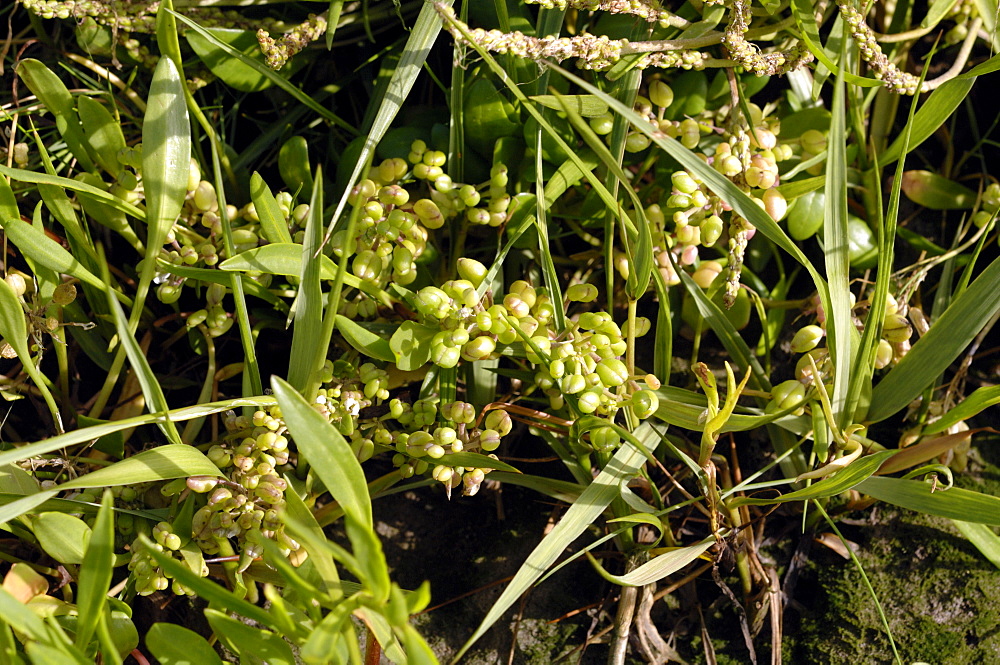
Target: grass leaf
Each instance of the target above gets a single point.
(955, 503)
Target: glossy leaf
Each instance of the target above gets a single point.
(88, 434)
(660, 566)
(937, 192)
(411, 345)
(56, 98)
(32, 177)
(587, 106)
(47, 252)
(272, 221)
(103, 133)
(62, 536)
(364, 340)
(253, 644)
(166, 163)
(176, 645)
(233, 71)
(982, 538)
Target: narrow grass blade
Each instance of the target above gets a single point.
(980, 400)
(982, 538)
(658, 567)
(944, 342)
(955, 503)
(843, 480)
(940, 106)
(161, 463)
(47, 252)
(96, 571)
(308, 349)
(588, 508)
(32, 177)
(418, 46)
(840, 331)
(268, 73)
(329, 455)
(151, 389)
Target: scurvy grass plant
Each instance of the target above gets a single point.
(548, 257)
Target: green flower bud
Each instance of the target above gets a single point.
(472, 270)
(661, 94)
(883, 354)
(605, 439)
(589, 402)
(806, 338)
(645, 403)
(489, 440)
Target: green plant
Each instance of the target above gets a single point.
(540, 262)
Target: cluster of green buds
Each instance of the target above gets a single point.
(989, 206)
(892, 346)
(244, 507)
(197, 239)
(147, 575)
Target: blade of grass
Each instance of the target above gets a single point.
(307, 349)
(96, 571)
(940, 346)
(588, 508)
(955, 503)
(418, 46)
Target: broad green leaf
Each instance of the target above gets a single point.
(15, 480)
(329, 455)
(272, 221)
(983, 538)
(231, 70)
(166, 164)
(56, 98)
(936, 192)
(173, 460)
(364, 340)
(8, 203)
(295, 167)
(411, 345)
(62, 536)
(955, 503)
(96, 571)
(280, 258)
(254, 645)
(175, 645)
(978, 401)
(580, 515)
(660, 566)
(940, 346)
(488, 115)
(841, 481)
(103, 132)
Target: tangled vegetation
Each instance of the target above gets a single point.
(736, 271)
